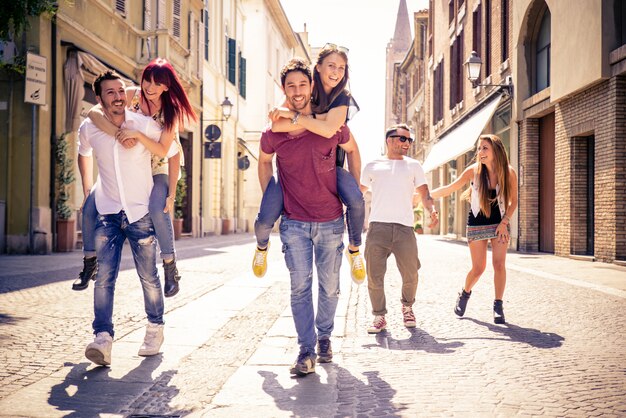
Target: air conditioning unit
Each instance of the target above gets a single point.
(508, 80)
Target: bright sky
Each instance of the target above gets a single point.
(365, 27)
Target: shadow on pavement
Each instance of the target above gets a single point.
(354, 397)
(64, 267)
(530, 336)
(93, 393)
(419, 340)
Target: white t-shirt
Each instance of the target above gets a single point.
(393, 183)
(124, 175)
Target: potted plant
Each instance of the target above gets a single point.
(418, 216)
(66, 226)
(181, 193)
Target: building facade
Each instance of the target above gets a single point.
(555, 95)
(571, 110)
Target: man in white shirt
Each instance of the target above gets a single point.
(393, 180)
(122, 196)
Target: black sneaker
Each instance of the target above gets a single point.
(324, 351)
(305, 364)
(90, 268)
(461, 302)
(498, 312)
(171, 279)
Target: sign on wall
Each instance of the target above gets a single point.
(36, 79)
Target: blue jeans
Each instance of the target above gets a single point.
(304, 242)
(90, 216)
(162, 221)
(349, 193)
(111, 232)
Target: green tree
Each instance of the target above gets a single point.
(14, 20)
(14, 15)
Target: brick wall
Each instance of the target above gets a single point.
(529, 185)
(599, 111)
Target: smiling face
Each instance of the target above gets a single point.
(396, 149)
(485, 152)
(298, 91)
(332, 70)
(112, 97)
(152, 90)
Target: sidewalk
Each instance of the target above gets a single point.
(230, 340)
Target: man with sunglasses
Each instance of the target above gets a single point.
(393, 180)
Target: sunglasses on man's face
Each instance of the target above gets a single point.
(402, 138)
(337, 48)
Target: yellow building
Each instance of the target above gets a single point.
(85, 38)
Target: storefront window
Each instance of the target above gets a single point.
(452, 199)
(501, 126)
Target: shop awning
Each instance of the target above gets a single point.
(462, 138)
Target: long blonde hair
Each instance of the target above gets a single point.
(501, 167)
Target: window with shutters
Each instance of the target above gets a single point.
(205, 24)
(487, 58)
(242, 76)
(505, 30)
(477, 28)
(232, 61)
(160, 14)
(456, 71)
(176, 19)
(438, 93)
(192, 42)
(120, 7)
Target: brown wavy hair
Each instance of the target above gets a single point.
(501, 166)
(319, 99)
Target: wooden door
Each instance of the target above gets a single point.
(546, 183)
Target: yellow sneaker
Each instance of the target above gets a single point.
(357, 266)
(259, 263)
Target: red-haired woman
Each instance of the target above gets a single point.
(163, 98)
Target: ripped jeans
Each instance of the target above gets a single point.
(111, 232)
(306, 243)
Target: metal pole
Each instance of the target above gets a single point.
(33, 152)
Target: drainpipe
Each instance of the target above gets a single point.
(53, 129)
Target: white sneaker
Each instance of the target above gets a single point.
(152, 341)
(99, 351)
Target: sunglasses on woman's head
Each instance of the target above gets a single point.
(337, 48)
(402, 138)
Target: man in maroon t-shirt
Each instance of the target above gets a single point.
(312, 223)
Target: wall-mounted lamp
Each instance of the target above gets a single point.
(473, 65)
(227, 108)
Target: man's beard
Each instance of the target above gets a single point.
(298, 106)
(114, 109)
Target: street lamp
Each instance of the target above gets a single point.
(473, 64)
(227, 108)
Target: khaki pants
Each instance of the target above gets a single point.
(384, 239)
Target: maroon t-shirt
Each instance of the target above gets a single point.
(307, 173)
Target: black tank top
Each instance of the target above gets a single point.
(481, 219)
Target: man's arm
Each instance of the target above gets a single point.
(429, 203)
(266, 169)
(354, 158)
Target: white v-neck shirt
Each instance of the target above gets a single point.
(124, 175)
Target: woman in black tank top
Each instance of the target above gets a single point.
(489, 216)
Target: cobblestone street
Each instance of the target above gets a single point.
(230, 338)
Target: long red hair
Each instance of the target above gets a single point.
(175, 104)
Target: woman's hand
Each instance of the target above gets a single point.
(434, 219)
(279, 112)
(503, 232)
(127, 137)
(169, 205)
